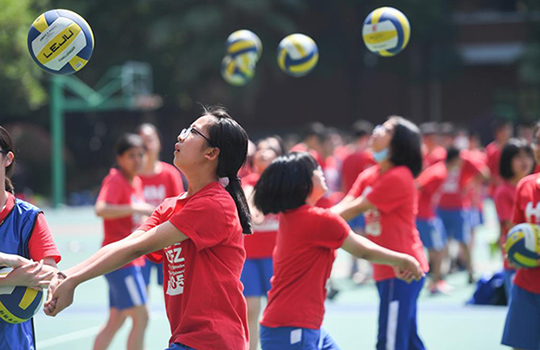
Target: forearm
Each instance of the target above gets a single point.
(113, 211)
(351, 208)
(363, 248)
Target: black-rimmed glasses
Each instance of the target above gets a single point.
(185, 133)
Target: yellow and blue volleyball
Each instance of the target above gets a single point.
(386, 31)
(523, 245)
(297, 55)
(244, 43)
(235, 73)
(60, 42)
(18, 304)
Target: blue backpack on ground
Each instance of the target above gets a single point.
(489, 291)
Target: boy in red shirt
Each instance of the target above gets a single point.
(522, 327)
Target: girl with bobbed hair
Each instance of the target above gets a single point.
(199, 236)
(306, 244)
(387, 196)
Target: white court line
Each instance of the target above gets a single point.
(68, 337)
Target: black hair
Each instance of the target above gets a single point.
(232, 141)
(406, 145)
(281, 150)
(7, 145)
(499, 123)
(451, 154)
(316, 129)
(127, 141)
(286, 183)
(429, 128)
(362, 128)
(512, 148)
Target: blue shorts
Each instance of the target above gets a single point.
(397, 315)
(522, 327)
(256, 276)
(457, 223)
(178, 346)
(147, 271)
(432, 233)
(294, 338)
(126, 288)
(476, 217)
(357, 223)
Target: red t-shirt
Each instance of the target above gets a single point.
(165, 184)
(453, 191)
(527, 209)
(305, 251)
(260, 244)
(392, 223)
(352, 166)
(437, 154)
(41, 244)
(493, 155)
(203, 292)
(505, 197)
(428, 183)
(116, 189)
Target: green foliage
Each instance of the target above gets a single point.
(20, 88)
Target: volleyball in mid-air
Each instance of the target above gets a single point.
(60, 41)
(386, 31)
(235, 73)
(18, 304)
(244, 42)
(297, 55)
(523, 245)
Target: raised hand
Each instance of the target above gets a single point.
(30, 275)
(409, 269)
(60, 298)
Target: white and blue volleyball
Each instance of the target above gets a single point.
(235, 73)
(297, 55)
(244, 42)
(18, 304)
(386, 31)
(523, 245)
(60, 42)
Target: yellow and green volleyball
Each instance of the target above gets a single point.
(297, 55)
(60, 42)
(236, 73)
(523, 245)
(244, 43)
(18, 304)
(386, 31)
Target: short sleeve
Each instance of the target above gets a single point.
(41, 244)
(429, 181)
(391, 192)
(154, 220)
(332, 233)
(204, 221)
(111, 192)
(357, 187)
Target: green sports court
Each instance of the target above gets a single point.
(445, 322)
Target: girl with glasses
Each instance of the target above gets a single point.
(198, 234)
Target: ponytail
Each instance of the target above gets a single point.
(237, 193)
(232, 141)
(6, 146)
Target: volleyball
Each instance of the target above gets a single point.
(297, 55)
(60, 42)
(236, 73)
(523, 245)
(386, 31)
(244, 43)
(18, 304)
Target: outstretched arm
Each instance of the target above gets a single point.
(405, 266)
(350, 207)
(110, 258)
